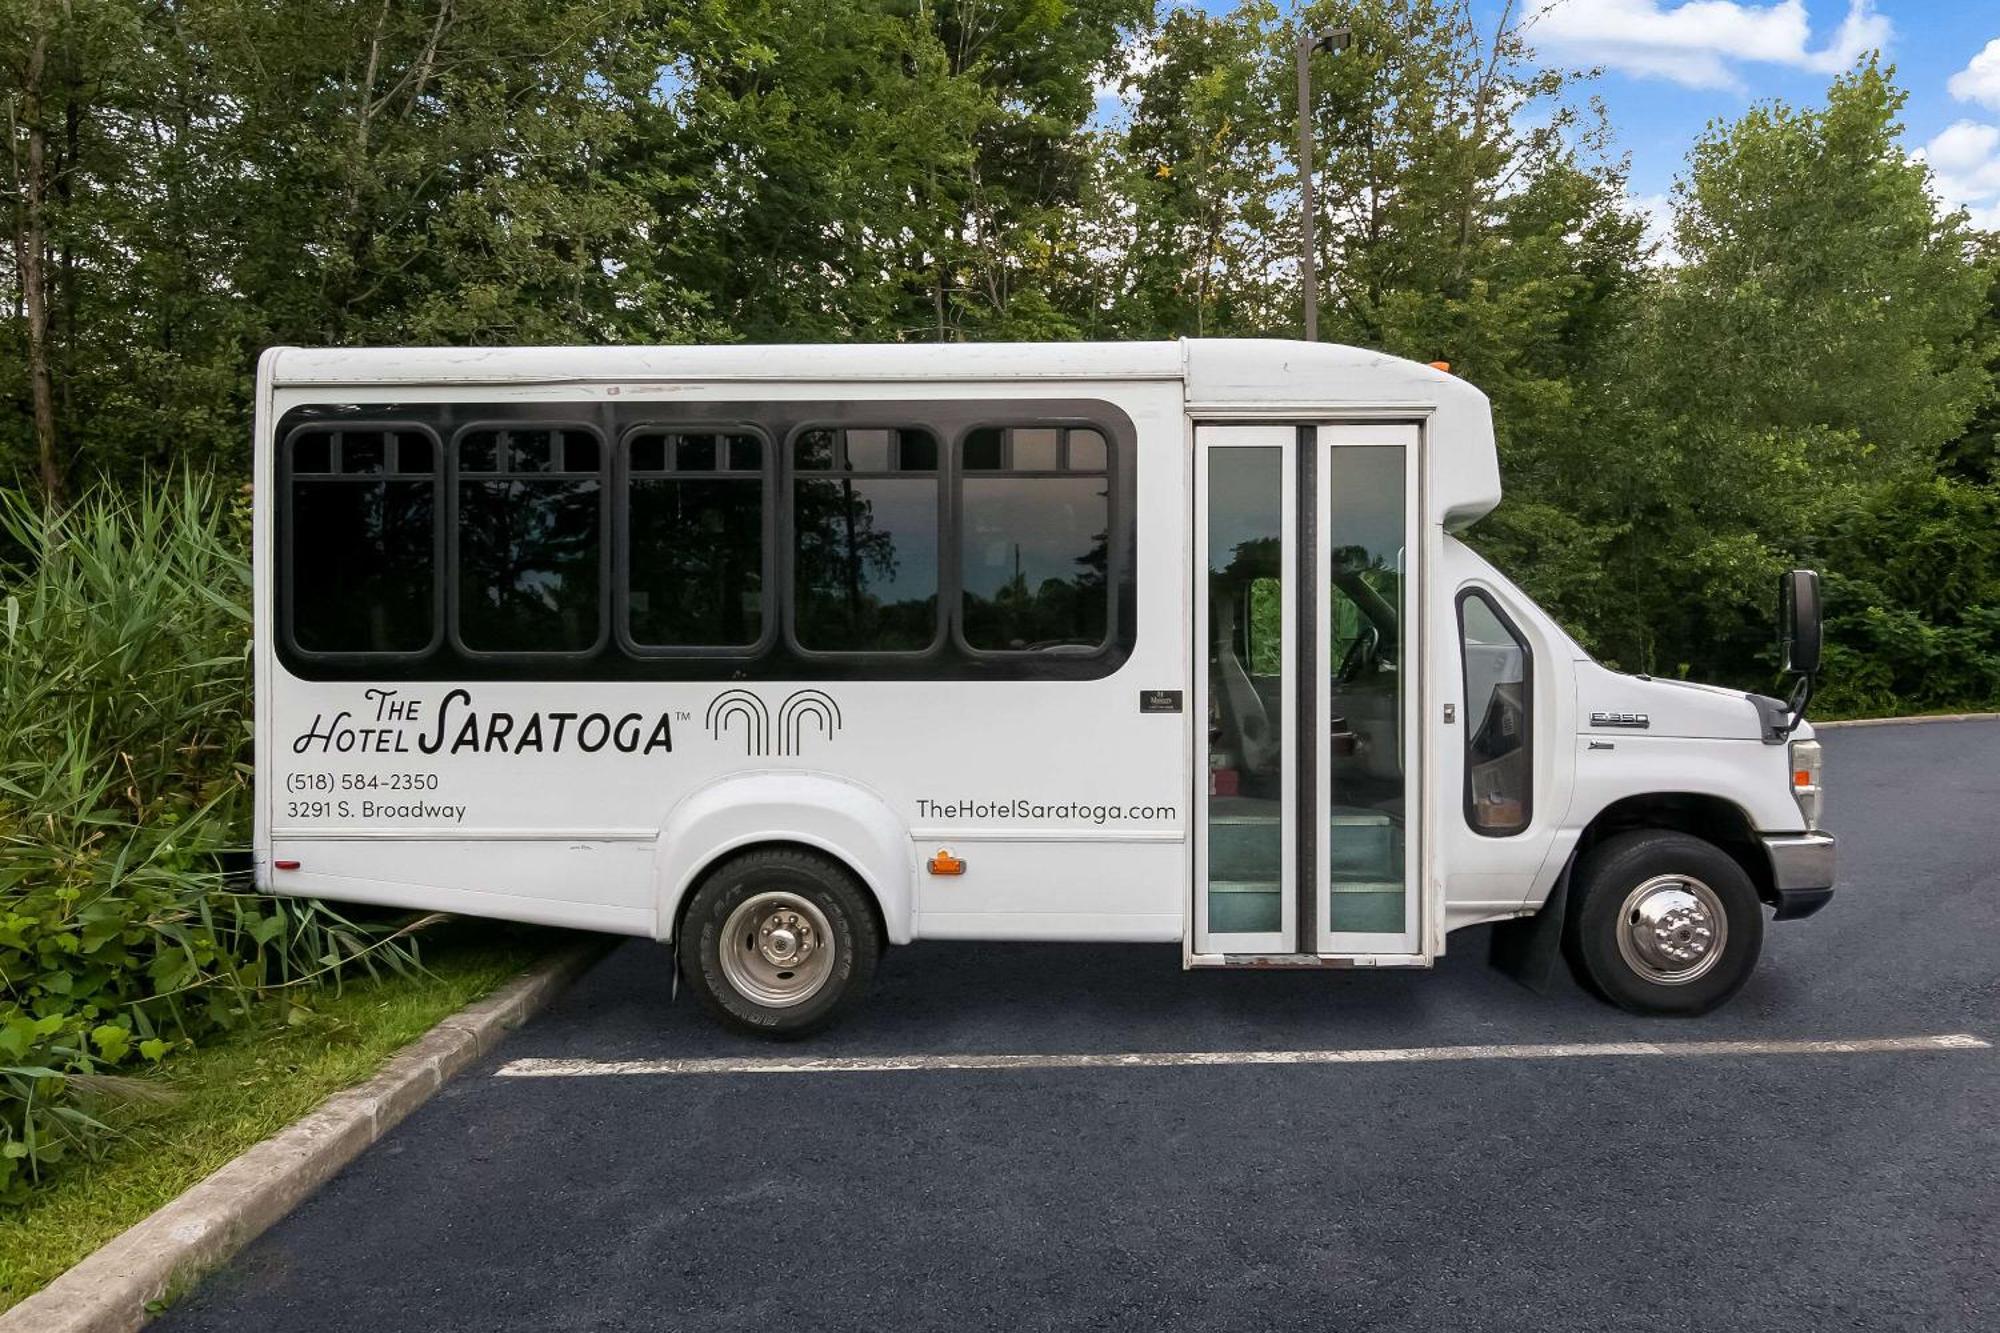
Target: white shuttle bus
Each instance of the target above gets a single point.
(782, 655)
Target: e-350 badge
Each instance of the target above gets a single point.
(1634, 721)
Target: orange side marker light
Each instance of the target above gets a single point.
(1445, 366)
(944, 863)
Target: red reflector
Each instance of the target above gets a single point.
(285, 865)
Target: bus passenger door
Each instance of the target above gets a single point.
(1306, 632)
(1367, 632)
(1246, 793)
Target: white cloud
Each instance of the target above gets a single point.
(1136, 58)
(1965, 151)
(1657, 210)
(1699, 43)
(1979, 81)
(1965, 169)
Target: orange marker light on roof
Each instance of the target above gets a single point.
(944, 863)
(1445, 366)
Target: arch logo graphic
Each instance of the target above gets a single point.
(735, 714)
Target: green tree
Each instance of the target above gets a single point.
(1035, 64)
(429, 173)
(1975, 455)
(1192, 172)
(796, 155)
(1821, 337)
(1472, 212)
(1822, 290)
(220, 175)
(77, 76)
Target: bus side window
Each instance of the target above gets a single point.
(1034, 540)
(865, 540)
(361, 541)
(695, 540)
(1499, 708)
(529, 545)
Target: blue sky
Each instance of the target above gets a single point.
(1671, 66)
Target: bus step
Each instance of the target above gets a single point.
(1244, 905)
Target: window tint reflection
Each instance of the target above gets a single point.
(1034, 562)
(361, 545)
(865, 541)
(528, 541)
(1034, 542)
(695, 540)
(491, 538)
(1367, 779)
(1498, 761)
(1248, 821)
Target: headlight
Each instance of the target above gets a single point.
(1805, 780)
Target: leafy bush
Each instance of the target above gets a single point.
(124, 782)
(1913, 599)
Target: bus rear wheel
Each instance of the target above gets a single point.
(1662, 922)
(778, 942)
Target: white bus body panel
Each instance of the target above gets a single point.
(1698, 740)
(591, 840)
(1491, 878)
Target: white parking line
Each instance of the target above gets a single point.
(895, 1064)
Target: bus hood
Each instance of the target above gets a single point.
(1609, 702)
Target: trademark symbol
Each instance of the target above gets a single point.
(682, 715)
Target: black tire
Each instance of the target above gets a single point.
(793, 885)
(1640, 975)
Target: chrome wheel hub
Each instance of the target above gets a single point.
(785, 939)
(777, 949)
(1672, 929)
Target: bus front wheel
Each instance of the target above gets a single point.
(778, 942)
(1662, 922)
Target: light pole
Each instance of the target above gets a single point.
(1334, 40)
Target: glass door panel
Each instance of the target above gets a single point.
(1367, 797)
(1245, 627)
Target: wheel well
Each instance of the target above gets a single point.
(1710, 818)
(720, 859)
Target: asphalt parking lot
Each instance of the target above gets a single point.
(1745, 1191)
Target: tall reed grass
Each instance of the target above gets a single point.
(125, 744)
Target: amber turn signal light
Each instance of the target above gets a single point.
(1445, 366)
(944, 863)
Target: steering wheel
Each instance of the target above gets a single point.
(1359, 654)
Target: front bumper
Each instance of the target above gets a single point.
(1801, 871)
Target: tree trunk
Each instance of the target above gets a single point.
(937, 297)
(30, 257)
(63, 334)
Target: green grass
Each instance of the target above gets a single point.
(238, 1089)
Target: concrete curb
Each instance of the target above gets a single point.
(1894, 722)
(108, 1291)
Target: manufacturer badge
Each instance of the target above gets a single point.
(1636, 721)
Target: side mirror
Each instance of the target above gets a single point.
(1798, 622)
